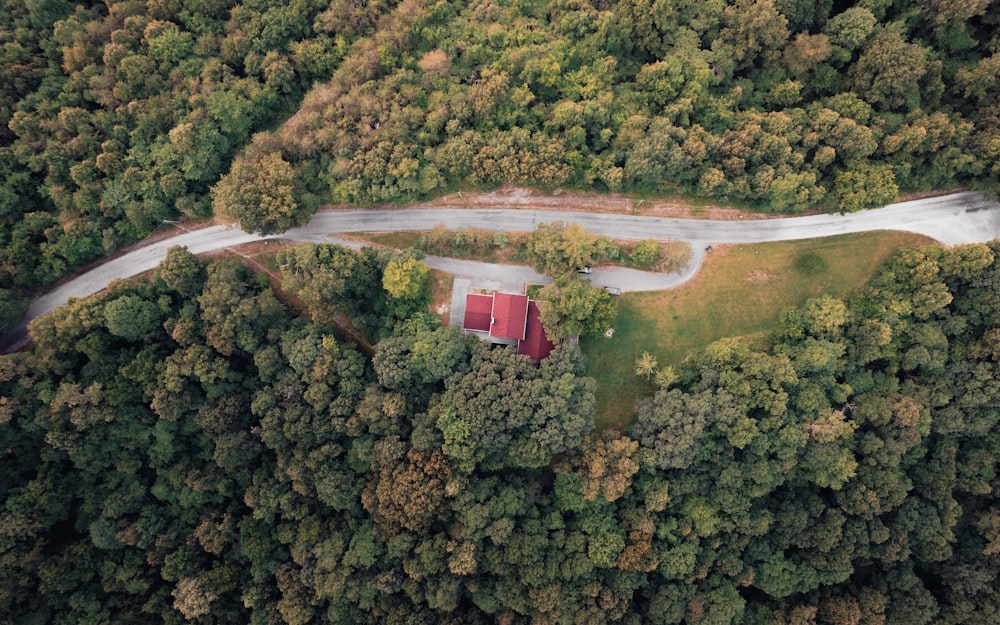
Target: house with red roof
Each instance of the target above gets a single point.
(535, 344)
(508, 318)
(478, 312)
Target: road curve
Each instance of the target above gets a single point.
(966, 217)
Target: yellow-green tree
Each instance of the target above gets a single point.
(645, 365)
(405, 278)
(260, 193)
(865, 186)
(558, 248)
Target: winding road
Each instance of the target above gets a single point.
(966, 217)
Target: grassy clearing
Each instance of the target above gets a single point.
(398, 240)
(740, 291)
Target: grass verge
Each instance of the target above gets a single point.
(510, 247)
(468, 244)
(739, 291)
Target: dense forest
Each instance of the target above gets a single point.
(120, 115)
(189, 448)
(199, 447)
(783, 104)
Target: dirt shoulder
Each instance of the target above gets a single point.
(512, 197)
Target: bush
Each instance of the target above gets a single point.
(645, 254)
(464, 243)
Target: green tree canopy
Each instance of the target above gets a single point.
(334, 280)
(182, 271)
(558, 249)
(13, 307)
(406, 278)
(864, 185)
(261, 193)
(481, 425)
(573, 307)
(889, 71)
(131, 317)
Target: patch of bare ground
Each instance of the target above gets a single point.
(255, 248)
(507, 255)
(758, 277)
(375, 239)
(511, 197)
(441, 285)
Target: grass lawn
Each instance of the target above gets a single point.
(739, 291)
(398, 240)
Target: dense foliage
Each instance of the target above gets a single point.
(189, 449)
(783, 104)
(119, 115)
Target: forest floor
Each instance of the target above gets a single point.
(740, 290)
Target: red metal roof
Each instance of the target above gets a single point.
(478, 312)
(535, 343)
(510, 313)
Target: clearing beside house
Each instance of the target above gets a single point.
(740, 290)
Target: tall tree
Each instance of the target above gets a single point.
(261, 193)
(889, 71)
(572, 307)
